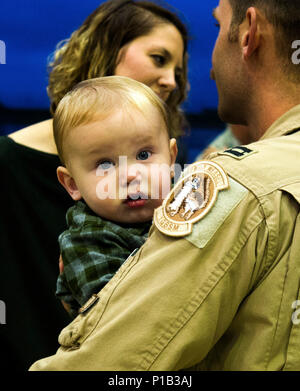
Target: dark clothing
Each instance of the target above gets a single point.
(93, 249)
(33, 212)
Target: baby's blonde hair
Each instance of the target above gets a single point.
(99, 97)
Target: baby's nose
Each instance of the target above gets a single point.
(129, 174)
(136, 177)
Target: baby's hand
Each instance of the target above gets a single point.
(61, 265)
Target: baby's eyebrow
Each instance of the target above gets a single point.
(94, 151)
(214, 13)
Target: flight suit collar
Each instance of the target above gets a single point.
(284, 125)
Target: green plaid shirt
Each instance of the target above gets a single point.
(92, 250)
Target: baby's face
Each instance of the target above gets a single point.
(121, 164)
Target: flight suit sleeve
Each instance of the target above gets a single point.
(170, 303)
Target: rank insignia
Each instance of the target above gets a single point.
(239, 152)
(191, 199)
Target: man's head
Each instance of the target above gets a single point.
(284, 16)
(112, 135)
(253, 54)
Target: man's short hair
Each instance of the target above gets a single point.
(97, 98)
(284, 15)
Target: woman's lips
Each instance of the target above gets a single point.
(163, 95)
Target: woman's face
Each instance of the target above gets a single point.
(155, 59)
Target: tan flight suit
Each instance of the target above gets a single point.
(225, 297)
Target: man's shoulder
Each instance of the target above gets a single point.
(264, 166)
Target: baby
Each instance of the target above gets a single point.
(112, 137)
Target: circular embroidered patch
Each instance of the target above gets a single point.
(191, 199)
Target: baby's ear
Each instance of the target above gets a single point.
(68, 182)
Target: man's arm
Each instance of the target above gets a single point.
(169, 304)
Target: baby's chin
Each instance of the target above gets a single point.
(136, 216)
(136, 219)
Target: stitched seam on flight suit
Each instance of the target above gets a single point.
(185, 314)
(289, 365)
(239, 174)
(273, 242)
(260, 191)
(268, 353)
(289, 362)
(272, 237)
(278, 186)
(272, 230)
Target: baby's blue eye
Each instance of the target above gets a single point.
(105, 165)
(143, 155)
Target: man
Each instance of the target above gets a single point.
(218, 290)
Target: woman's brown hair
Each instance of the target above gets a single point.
(93, 49)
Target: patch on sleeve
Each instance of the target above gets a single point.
(238, 153)
(204, 230)
(191, 199)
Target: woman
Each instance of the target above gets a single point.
(122, 37)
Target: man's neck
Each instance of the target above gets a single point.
(268, 107)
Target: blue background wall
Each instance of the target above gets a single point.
(32, 28)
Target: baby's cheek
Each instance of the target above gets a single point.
(107, 188)
(164, 177)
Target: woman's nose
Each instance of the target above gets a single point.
(168, 79)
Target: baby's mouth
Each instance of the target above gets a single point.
(136, 200)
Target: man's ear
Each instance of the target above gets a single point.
(173, 150)
(68, 182)
(251, 37)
